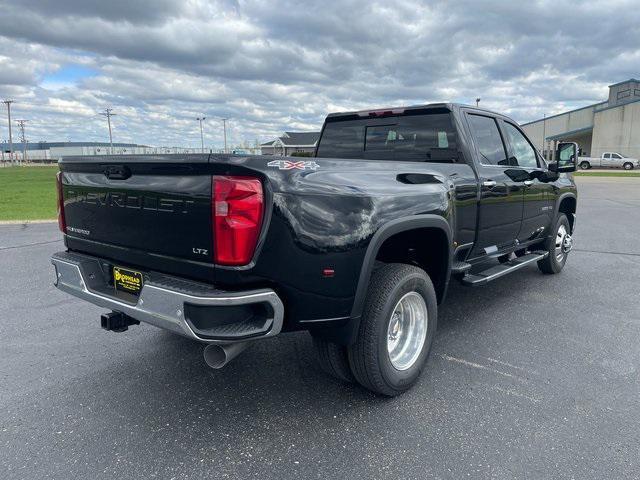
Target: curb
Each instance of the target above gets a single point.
(25, 222)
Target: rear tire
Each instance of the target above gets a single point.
(628, 166)
(585, 165)
(396, 329)
(333, 359)
(556, 247)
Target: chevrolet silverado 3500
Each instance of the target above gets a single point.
(356, 245)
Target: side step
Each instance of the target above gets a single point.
(459, 267)
(497, 271)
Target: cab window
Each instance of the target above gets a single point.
(488, 140)
(522, 153)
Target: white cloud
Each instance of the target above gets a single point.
(276, 65)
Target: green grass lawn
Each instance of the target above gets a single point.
(607, 174)
(28, 193)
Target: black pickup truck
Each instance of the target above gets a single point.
(356, 245)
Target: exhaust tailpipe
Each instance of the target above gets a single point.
(217, 356)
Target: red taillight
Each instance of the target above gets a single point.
(62, 224)
(238, 205)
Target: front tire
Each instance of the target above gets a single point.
(628, 166)
(396, 329)
(558, 247)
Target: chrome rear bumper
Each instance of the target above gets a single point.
(165, 301)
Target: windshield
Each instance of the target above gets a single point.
(427, 137)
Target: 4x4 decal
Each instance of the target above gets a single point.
(289, 165)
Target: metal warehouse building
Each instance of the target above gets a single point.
(612, 125)
(55, 150)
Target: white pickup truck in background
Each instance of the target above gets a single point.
(609, 160)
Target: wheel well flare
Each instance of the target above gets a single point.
(427, 248)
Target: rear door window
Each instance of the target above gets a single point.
(488, 140)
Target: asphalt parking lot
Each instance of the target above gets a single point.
(531, 376)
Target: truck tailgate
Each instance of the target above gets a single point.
(160, 204)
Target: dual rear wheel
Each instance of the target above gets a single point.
(395, 333)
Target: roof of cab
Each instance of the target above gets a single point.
(399, 110)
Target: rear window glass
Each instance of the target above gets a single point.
(425, 138)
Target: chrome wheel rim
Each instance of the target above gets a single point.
(564, 243)
(407, 331)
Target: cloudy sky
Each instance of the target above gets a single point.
(281, 65)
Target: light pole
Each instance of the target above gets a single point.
(478, 101)
(109, 113)
(544, 134)
(224, 128)
(201, 119)
(8, 104)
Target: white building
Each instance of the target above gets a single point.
(292, 143)
(612, 125)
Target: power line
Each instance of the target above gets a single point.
(108, 112)
(201, 119)
(8, 104)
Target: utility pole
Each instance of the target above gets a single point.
(224, 127)
(201, 119)
(23, 138)
(478, 101)
(108, 112)
(8, 104)
(544, 134)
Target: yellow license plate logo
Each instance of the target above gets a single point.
(127, 280)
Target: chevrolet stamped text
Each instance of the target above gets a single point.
(356, 245)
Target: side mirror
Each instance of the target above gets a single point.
(566, 158)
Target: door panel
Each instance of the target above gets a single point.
(500, 209)
(616, 161)
(500, 212)
(537, 194)
(537, 210)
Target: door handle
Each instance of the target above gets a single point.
(528, 183)
(489, 183)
